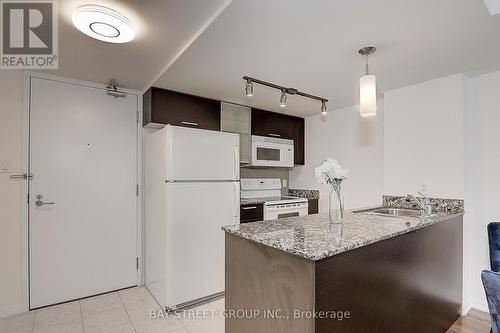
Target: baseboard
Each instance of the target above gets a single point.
(480, 307)
(466, 309)
(12, 310)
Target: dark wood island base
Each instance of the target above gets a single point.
(410, 283)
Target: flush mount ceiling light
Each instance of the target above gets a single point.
(103, 23)
(284, 92)
(367, 87)
(493, 6)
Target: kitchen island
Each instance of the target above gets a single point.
(369, 274)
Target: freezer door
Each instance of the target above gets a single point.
(195, 242)
(194, 154)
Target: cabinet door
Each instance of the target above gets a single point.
(236, 119)
(272, 124)
(251, 213)
(266, 123)
(169, 107)
(313, 206)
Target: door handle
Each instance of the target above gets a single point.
(236, 200)
(189, 123)
(40, 203)
(248, 208)
(236, 164)
(25, 176)
(275, 135)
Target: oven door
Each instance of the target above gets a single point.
(273, 212)
(268, 154)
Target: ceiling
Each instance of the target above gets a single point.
(312, 46)
(205, 47)
(163, 29)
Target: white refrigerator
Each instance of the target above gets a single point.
(192, 189)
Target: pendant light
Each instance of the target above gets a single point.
(367, 87)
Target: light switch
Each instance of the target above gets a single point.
(4, 165)
(284, 183)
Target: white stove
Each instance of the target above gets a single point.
(275, 205)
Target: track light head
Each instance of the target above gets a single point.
(323, 108)
(283, 99)
(249, 88)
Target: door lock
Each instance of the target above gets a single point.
(40, 203)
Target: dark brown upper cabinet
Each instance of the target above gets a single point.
(277, 125)
(161, 107)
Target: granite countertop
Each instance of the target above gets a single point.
(314, 237)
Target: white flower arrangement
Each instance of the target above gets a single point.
(330, 172)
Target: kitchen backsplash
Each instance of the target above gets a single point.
(280, 173)
(309, 194)
(452, 206)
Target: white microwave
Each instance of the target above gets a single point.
(271, 152)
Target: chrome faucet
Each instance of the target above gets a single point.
(424, 203)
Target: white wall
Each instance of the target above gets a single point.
(482, 177)
(424, 138)
(357, 143)
(11, 235)
(424, 143)
(442, 133)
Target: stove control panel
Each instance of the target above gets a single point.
(256, 184)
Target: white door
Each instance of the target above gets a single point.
(196, 212)
(195, 154)
(83, 157)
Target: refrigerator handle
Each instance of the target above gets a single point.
(236, 201)
(236, 160)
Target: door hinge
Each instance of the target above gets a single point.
(137, 263)
(137, 190)
(137, 116)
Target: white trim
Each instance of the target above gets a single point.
(189, 42)
(79, 82)
(480, 307)
(140, 219)
(25, 167)
(12, 310)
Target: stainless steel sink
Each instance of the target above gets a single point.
(394, 212)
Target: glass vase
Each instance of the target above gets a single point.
(336, 203)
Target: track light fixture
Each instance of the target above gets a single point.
(283, 99)
(284, 92)
(249, 88)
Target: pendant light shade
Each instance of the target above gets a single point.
(368, 95)
(367, 87)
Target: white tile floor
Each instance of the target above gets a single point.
(126, 311)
